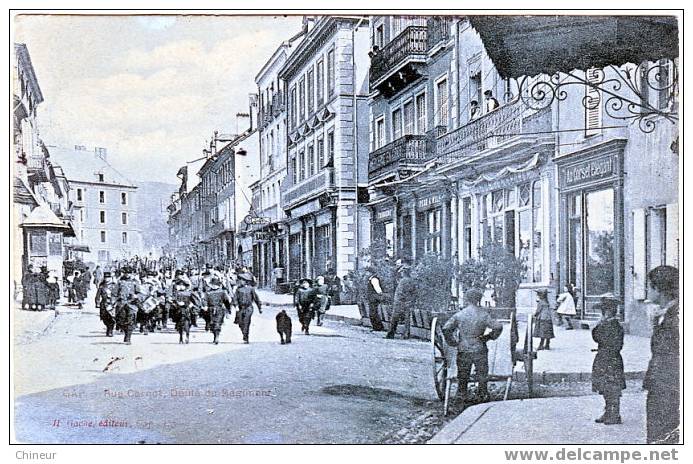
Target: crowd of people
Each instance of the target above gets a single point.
(148, 300)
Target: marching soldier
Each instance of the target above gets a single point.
(127, 295)
(245, 297)
(183, 307)
(472, 322)
(322, 299)
(218, 303)
(105, 302)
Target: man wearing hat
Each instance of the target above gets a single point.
(105, 302)
(405, 294)
(491, 102)
(608, 378)
(322, 300)
(182, 306)
(472, 322)
(245, 297)
(127, 296)
(217, 303)
(303, 299)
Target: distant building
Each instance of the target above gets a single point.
(105, 205)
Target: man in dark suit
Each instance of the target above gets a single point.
(662, 380)
(245, 297)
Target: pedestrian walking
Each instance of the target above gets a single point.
(543, 325)
(608, 378)
(217, 302)
(322, 299)
(98, 276)
(303, 299)
(405, 294)
(104, 300)
(374, 296)
(566, 307)
(475, 327)
(128, 302)
(245, 297)
(662, 379)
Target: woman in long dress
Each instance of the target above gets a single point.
(543, 328)
(566, 307)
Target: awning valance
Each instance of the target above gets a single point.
(81, 248)
(533, 45)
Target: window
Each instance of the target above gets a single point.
(124, 218)
(104, 255)
(102, 196)
(103, 236)
(79, 194)
(330, 73)
(123, 198)
(379, 36)
(302, 99)
(301, 166)
(321, 153)
(294, 171)
(38, 243)
(55, 243)
(379, 133)
(421, 113)
(102, 217)
(409, 117)
(467, 228)
(593, 104)
(433, 226)
(320, 81)
(311, 91)
(100, 177)
(293, 107)
(81, 215)
(475, 93)
(599, 243)
(655, 243)
(330, 148)
(441, 110)
(271, 150)
(396, 124)
(311, 161)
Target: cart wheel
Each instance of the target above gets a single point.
(440, 363)
(529, 357)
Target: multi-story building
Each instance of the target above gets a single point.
(269, 233)
(104, 204)
(41, 209)
(324, 194)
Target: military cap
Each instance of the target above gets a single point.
(247, 276)
(305, 279)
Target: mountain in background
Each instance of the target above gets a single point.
(152, 200)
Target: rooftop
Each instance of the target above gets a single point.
(82, 165)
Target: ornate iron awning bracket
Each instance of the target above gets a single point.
(625, 93)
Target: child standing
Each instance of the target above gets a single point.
(566, 307)
(544, 320)
(608, 378)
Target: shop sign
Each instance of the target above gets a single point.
(587, 171)
(383, 214)
(425, 203)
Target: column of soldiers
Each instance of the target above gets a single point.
(146, 301)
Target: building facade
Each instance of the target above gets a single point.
(324, 194)
(104, 206)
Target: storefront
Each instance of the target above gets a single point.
(384, 228)
(591, 224)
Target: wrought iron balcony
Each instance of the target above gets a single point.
(409, 151)
(397, 63)
(491, 130)
(313, 186)
(438, 30)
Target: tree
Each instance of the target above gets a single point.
(497, 269)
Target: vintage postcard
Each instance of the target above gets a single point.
(285, 227)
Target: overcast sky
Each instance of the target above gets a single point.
(151, 89)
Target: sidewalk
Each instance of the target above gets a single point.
(546, 420)
(28, 324)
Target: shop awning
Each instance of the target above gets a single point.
(532, 45)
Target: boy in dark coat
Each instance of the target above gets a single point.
(608, 378)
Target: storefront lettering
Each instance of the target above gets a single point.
(384, 214)
(426, 202)
(587, 171)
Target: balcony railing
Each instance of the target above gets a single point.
(309, 187)
(408, 44)
(491, 130)
(406, 150)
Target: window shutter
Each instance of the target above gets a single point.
(639, 255)
(593, 105)
(672, 235)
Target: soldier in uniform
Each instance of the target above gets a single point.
(183, 307)
(147, 310)
(405, 294)
(217, 302)
(105, 302)
(245, 297)
(472, 322)
(127, 295)
(303, 299)
(322, 299)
